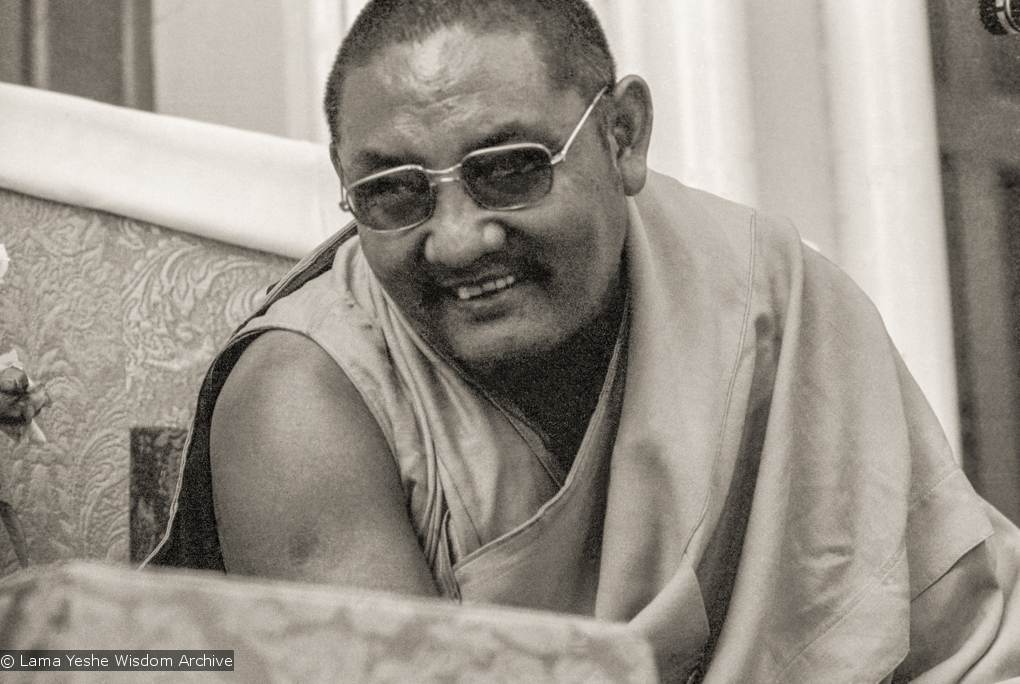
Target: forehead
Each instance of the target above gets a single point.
(454, 85)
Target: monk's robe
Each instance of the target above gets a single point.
(762, 491)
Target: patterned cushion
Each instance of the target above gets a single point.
(289, 632)
(120, 320)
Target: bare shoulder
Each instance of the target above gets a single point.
(304, 484)
(283, 384)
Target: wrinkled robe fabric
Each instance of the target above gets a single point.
(776, 499)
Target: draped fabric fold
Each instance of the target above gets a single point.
(782, 382)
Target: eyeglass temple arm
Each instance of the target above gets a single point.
(561, 155)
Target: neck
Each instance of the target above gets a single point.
(559, 391)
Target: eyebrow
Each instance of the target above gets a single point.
(516, 131)
(370, 161)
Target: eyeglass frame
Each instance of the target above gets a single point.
(451, 174)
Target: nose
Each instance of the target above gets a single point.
(460, 232)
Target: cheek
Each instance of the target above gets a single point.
(387, 258)
(589, 270)
(393, 262)
(592, 244)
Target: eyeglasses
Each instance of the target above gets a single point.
(503, 178)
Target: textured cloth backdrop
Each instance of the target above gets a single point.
(120, 320)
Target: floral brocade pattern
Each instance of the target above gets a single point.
(289, 632)
(120, 320)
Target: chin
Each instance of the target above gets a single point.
(490, 356)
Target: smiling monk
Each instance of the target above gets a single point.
(535, 373)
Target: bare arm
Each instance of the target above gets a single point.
(304, 484)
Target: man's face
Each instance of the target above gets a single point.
(487, 287)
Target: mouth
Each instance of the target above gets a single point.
(485, 288)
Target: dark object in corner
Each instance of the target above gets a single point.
(1000, 17)
(155, 464)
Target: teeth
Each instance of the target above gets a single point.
(471, 291)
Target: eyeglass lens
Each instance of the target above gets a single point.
(394, 200)
(508, 179)
(498, 179)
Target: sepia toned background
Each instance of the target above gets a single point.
(888, 132)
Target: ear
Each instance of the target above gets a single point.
(631, 128)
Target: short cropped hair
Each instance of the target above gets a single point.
(568, 35)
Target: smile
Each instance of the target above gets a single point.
(466, 292)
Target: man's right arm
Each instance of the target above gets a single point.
(304, 484)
